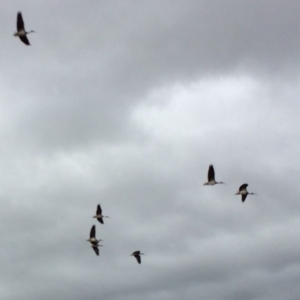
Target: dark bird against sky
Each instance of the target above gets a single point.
(211, 177)
(243, 191)
(21, 32)
(137, 255)
(92, 238)
(99, 215)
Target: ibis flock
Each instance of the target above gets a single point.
(211, 181)
(95, 244)
(137, 254)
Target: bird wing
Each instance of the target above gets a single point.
(211, 173)
(99, 210)
(25, 40)
(20, 22)
(96, 249)
(243, 187)
(100, 220)
(244, 197)
(93, 232)
(138, 258)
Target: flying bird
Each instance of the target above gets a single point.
(99, 215)
(211, 177)
(92, 238)
(21, 32)
(137, 255)
(243, 192)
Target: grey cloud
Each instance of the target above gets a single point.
(126, 104)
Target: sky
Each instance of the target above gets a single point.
(126, 104)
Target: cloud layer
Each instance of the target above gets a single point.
(126, 104)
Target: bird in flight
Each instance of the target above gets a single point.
(92, 238)
(243, 192)
(211, 177)
(21, 32)
(99, 215)
(137, 255)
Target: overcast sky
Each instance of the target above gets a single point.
(126, 104)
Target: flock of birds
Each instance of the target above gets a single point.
(95, 244)
(137, 254)
(211, 181)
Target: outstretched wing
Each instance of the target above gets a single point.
(25, 40)
(99, 210)
(138, 258)
(100, 220)
(96, 249)
(243, 187)
(93, 232)
(211, 173)
(244, 197)
(20, 22)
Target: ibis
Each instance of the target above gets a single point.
(211, 177)
(243, 192)
(21, 32)
(99, 215)
(92, 238)
(137, 255)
